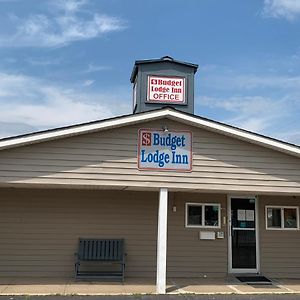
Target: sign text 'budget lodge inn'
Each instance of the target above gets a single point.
(160, 150)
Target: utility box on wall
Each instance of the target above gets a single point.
(163, 82)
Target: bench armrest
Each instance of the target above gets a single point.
(76, 256)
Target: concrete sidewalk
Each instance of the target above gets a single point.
(224, 286)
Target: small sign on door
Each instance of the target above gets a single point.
(249, 215)
(241, 215)
(245, 215)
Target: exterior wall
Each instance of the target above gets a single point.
(39, 229)
(39, 232)
(280, 249)
(187, 255)
(190, 257)
(221, 164)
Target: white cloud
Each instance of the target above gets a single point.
(265, 103)
(44, 61)
(291, 136)
(260, 114)
(88, 82)
(30, 103)
(95, 68)
(249, 81)
(249, 111)
(288, 9)
(66, 22)
(68, 6)
(10, 60)
(12, 129)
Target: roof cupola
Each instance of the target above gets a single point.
(163, 82)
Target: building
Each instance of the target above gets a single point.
(191, 197)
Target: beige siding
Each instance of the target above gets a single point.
(108, 158)
(188, 256)
(280, 249)
(39, 229)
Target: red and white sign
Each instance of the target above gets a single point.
(165, 89)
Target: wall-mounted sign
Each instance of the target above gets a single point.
(165, 89)
(165, 150)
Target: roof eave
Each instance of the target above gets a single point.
(149, 116)
(77, 130)
(240, 134)
(148, 61)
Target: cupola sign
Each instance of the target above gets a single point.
(165, 89)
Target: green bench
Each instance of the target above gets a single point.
(100, 250)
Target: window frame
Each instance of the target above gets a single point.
(187, 204)
(282, 207)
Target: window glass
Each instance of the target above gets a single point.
(274, 217)
(194, 215)
(211, 214)
(290, 218)
(282, 217)
(202, 215)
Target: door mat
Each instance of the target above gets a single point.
(254, 279)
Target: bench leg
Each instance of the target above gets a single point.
(76, 269)
(123, 271)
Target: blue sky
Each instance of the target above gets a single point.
(66, 62)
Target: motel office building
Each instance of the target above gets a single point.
(229, 202)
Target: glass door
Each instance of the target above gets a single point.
(242, 226)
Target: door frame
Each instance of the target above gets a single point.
(230, 269)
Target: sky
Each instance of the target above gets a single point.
(65, 62)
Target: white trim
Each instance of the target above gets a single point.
(244, 271)
(229, 234)
(282, 217)
(161, 267)
(134, 95)
(246, 229)
(230, 269)
(202, 204)
(80, 129)
(257, 234)
(239, 133)
(152, 115)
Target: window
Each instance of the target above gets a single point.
(205, 215)
(282, 217)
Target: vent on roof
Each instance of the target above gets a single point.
(167, 58)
